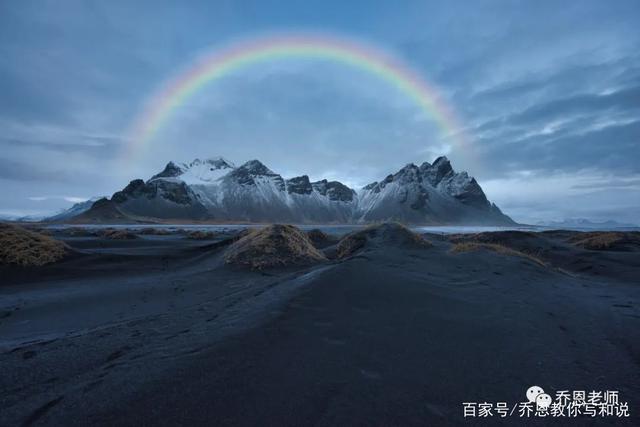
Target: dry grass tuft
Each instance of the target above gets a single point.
(201, 235)
(501, 249)
(117, 234)
(78, 232)
(380, 234)
(350, 244)
(321, 239)
(27, 248)
(606, 240)
(273, 246)
(151, 231)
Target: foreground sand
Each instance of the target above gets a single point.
(157, 330)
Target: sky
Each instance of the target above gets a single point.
(547, 94)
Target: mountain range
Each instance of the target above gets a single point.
(217, 190)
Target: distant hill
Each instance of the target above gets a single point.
(581, 223)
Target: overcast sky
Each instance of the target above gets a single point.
(548, 93)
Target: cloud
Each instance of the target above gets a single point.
(95, 146)
(12, 170)
(539, 195)
(627, 100)
(614, 147)
(71, 199)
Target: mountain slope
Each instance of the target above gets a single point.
(215, 189)
(75, 210)
(428, 194)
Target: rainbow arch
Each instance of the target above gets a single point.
(222, 61)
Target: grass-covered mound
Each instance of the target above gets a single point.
(524, 241)
(273, 246)
(19, 246)
(201, 235)
(78, 232)
(607, 241)
(152, 231)
(118, 234)
(385, 234)
(529, 245)
(495, 247)
(320, 239)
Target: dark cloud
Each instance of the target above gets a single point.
(614, 148)
(627, 100)
(18, 171)
(565, 80)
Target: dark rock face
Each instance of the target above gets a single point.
(472, 194)
(435, 173)
(170, 171)
(156, 198)
(420, 199)
(408, 174)
(102, 210)
(430, 193)
(102, 203)
(371, 186)
(253, 169)
(299, 185)
(135, 188)
(177, 192)
(336, 191)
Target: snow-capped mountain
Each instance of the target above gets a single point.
(215, 189)
(429, 193)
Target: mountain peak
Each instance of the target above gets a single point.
(441, 159)
(256, 167)
(254, 170)
(218, 162)
(172, 170)
(441, 168)
(299, 185)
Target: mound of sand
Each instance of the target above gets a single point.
(151, 231)
(118, 234)
(386, 234)
(607, 241)
(201, 235)
(498, 248)
(320, 239)
(273, 246)
(527, 243)
(27, 248)
(78, 232)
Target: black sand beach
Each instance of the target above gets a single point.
(158, 330)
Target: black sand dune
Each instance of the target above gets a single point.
(273, 246)
(158, 330)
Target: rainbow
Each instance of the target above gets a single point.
(222, 61)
